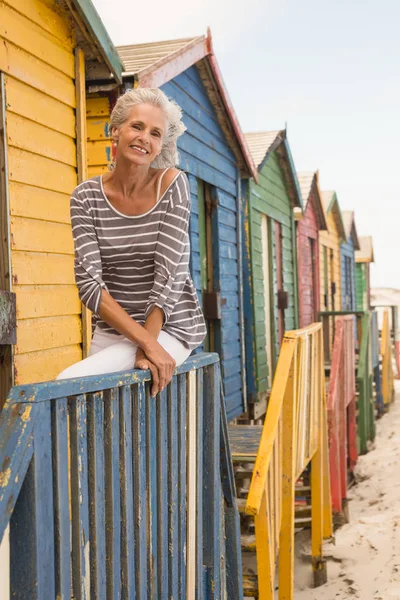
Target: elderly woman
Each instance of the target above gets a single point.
(130, 229)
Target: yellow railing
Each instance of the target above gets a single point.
(294, 434)
(387, 365)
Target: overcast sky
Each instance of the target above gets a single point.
(330, 70)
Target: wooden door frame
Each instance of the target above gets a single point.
(82, 170)
(6, 351)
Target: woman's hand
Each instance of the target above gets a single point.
(160, 363)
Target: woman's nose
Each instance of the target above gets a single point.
(144, 137)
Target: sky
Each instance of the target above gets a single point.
(328, 70)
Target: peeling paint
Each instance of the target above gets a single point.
(26, 415)
(5, 477)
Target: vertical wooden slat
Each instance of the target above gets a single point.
(192, 533)
(212, 488)
(113, 496)
(196, 391)
(6, 352)
(286, 538)
(61, 498)
(152, 462)
(162, 509)
(126, 477)
(82, 161)
(95, 440)
(79, 499)
(182, 489)
(173, 497)
(140, 489)
(32, 532)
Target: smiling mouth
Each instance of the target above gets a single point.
(139, 149)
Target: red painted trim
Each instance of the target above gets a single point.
(253, 172)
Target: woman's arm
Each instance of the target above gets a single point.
(94, 294)
(160, 363)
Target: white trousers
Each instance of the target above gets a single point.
(111, 352)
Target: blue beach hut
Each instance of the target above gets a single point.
(215, 157)
(348, 263)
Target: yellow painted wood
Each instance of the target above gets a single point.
(24, 33)
(34, 268)
(270, 427)
(44, 365)
(331, 239)
(47, 15)
(45, 333)
(39, 171)
(387, 367)
(317, 506)
(265, 569)
(98, 107)
(38, 107)
(40, 236)
(99, 153)
(286, 538)
(98, 128)
(33, 137)
(81, 137)
(99, 170)
(35, 301)
(25, 67)
(37, 203)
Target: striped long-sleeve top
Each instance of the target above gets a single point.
(142, 261)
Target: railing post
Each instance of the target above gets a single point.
(320, 500)
(286, 543)
(32, 552)
(212, 489)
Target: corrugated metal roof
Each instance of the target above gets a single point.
(138, 57)
(366, 252)
(305, 182)
(259, 143)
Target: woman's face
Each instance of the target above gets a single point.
(140, 137)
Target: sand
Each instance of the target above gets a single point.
(364, 561)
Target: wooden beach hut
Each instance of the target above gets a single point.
(329, 250)
(46, 48)
(364, 257)
(215, 157)
(308, 227)
(348, 264)
(270, 271)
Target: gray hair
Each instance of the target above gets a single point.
(169, 156)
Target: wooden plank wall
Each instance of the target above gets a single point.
(270, 197)
(206, 155)
(307, 229)
(330, 239)
(347, 250)
(37, 57)
(98, 110)
(361, 286)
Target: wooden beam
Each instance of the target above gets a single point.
(82, 161)
(6, 351)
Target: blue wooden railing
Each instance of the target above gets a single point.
(110, 493)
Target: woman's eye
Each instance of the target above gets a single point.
(135, 126)
(156, 133)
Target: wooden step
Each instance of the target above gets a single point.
(248, 543)
(244, 442)
(250, 586)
